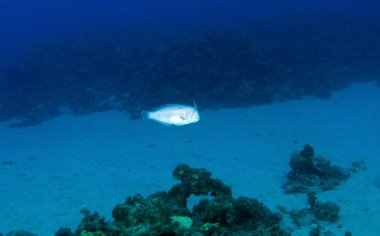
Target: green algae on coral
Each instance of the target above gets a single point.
(184, 222)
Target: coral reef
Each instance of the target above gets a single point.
(166, 213)
(312, 173)
(327, 211)
(316, 214)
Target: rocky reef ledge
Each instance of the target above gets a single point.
(112, 72)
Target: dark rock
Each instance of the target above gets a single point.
(312, 173)
(302, 162)
(307, 152)
(64, 232)
(347, 233)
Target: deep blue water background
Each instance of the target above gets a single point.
(24, 22)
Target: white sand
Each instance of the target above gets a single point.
(97, 160)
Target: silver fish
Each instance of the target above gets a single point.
(173, 114)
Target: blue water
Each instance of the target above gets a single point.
(267, 76)
(24, 23)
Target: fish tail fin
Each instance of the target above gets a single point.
(145, 115)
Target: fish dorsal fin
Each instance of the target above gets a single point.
(195, 105)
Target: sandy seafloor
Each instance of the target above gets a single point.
(95, 161)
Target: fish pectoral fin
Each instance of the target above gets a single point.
(182, 117)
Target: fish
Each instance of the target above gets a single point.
(173, 114)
